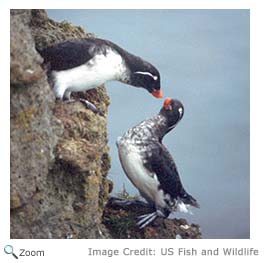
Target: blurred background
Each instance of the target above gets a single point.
(203, 57)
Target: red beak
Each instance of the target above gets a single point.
(167, 103)
(157, 93)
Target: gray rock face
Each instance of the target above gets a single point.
(59, 152)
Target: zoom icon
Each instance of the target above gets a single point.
(9, 250)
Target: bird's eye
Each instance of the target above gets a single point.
(180, 111)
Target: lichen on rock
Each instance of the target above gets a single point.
(59, 151)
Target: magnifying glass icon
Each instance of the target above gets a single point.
(9, 250)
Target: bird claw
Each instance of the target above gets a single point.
(91, 106)
(146, 219)
(87, 104)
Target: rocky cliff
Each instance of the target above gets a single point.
(59, 151)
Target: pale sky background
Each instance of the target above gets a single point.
(203, 58)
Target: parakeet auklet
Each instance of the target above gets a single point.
(86, 63)
(149, 165)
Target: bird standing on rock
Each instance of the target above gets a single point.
(86, 63)
(149, 165)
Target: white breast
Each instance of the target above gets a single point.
(96, 72)
(143, 180)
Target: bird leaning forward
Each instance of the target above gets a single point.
(86, 63)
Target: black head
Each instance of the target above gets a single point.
(147, 77)
(173, 110)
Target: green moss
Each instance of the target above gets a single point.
(120, 226)
(24, 118)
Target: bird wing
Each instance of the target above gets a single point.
(162, 164)
(72, 53)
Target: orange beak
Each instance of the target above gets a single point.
(157, 93)
(167, 103)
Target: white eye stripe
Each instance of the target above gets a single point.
(146, 73)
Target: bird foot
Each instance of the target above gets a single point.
(91, 106)
(146, 219)
(87, 104)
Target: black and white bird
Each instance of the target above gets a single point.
(86, 63)
(151, 168)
